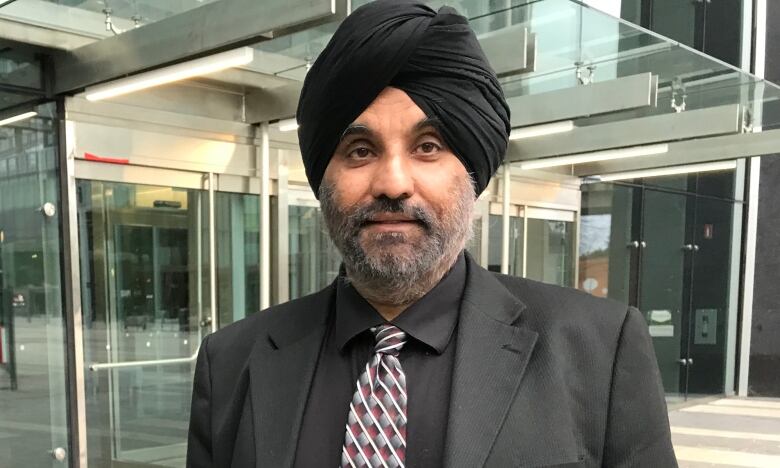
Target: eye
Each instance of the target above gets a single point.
(360, 152)
(428, 147)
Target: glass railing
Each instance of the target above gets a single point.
(571, 37)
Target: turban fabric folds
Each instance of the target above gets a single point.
(432, 56)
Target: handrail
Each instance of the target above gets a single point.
(154, 362)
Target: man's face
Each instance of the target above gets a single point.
(395, 198)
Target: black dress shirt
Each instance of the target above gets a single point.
(426, 359)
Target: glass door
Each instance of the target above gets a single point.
(660, 289)
(314, 260)
(709, 253)
(146, 306)
(33, 398)
(550, 246)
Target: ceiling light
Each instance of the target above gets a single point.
(620, 153)
(17, 118)
(180, 71)
(540, 130)
(665, 171)
(288, 125)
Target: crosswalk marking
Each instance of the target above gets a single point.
(747, 403)
(734, 411)
(726, 457)
(695, 431)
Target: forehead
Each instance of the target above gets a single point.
(392, 109)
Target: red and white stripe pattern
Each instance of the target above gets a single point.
(376, 427)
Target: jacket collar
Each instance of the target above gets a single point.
(490, 360)
(491, 356)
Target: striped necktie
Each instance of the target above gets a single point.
(376, 427)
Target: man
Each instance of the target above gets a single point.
(416, 356)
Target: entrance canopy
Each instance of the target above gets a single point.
(605, 94)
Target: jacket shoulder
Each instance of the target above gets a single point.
(552, 302)
(238, 338)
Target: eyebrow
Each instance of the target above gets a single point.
(360, 129)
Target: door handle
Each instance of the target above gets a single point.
(691, 247)
(690, 361)
(205, 322)
(683, 361)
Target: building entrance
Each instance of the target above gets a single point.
(157, 275)
(681, 284)
(145, 294)
(667, 249)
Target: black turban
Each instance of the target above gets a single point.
(432, 56)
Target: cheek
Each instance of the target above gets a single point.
(441, 187)
(350, 185)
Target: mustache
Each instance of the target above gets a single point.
(361, 216)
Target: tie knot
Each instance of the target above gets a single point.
(389, 339)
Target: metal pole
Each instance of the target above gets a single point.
(265, 217)
(749, 278)
(74, 323)
(732, 318)
(212, 255)
(507, 178)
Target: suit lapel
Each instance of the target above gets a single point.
(281, 371)
(491, 356)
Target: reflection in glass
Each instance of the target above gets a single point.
(238, 258)
(495, 227)
(605, 233)
(32, 349)
(144, 282)
(550, 251)
(314, 260)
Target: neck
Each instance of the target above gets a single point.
(389, 304)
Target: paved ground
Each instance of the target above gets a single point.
(727, 433)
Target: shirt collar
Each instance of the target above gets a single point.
(431, 320)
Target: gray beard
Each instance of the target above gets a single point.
(391, 268)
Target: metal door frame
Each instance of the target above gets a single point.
(137, 175)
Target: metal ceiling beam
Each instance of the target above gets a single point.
(695, 151)
(616, 95)
(214, 27)
(263, 105)
(721, 120)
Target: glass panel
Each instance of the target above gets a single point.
(314, 260)
(32, 369)
(550, 251)
(144, 273)
(495, 227)
(238, 256)
(709, 297)
(89, 16)
(605, 234)
(474, 245)
(676, 20)
(662, 273)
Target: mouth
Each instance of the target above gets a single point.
(392, 222)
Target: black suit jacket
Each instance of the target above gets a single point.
(543, 376)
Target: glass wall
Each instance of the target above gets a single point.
(714, 28)
(314, 260)
(33, 424)
(550, 256)
(145, 295)
(237, 218)
(541, 246)
(664, 245)
(516, 244)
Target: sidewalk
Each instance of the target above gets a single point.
(727, 433)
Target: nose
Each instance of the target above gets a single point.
(393, 177)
